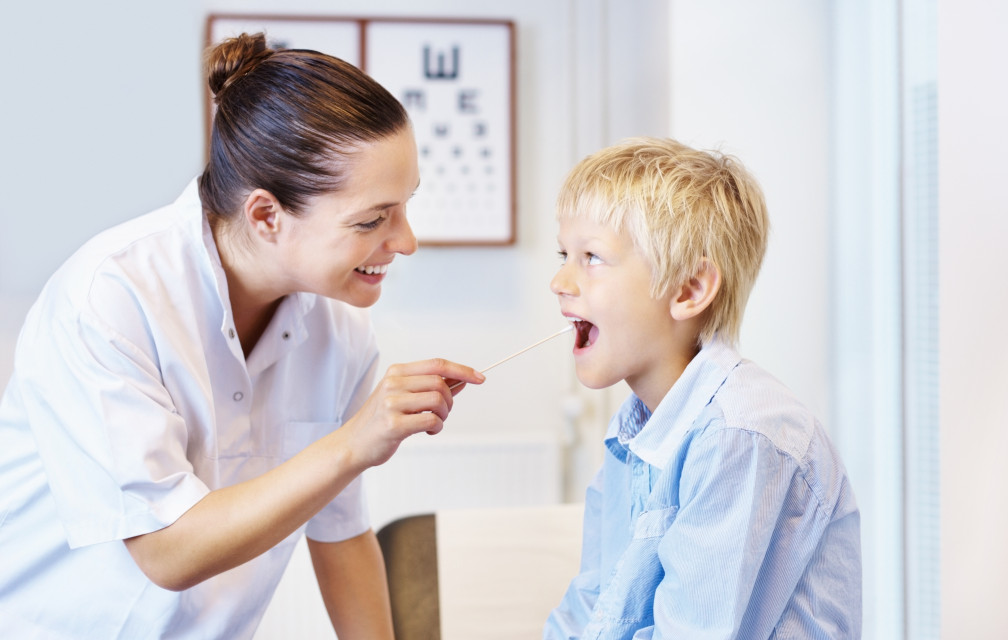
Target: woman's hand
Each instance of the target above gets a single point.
(411, 398)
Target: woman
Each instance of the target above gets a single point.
(193, 388)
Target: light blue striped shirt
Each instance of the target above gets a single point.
(726, 514)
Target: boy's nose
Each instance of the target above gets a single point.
(562, 283)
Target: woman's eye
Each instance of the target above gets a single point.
(562, 255)
(594, 259)
(370, 226)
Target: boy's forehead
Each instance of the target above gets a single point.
(584, 228)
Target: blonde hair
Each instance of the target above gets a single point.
(678, 205)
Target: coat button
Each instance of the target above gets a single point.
(238, 396)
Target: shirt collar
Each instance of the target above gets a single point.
(286, 330)
(294, 311)
(625, 426)
(217, 267)
(654, 438)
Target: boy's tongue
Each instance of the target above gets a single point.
(587, 333)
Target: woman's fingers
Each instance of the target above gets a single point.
(446, 376)
(418, 393)
(413, 397)
(419, 400)
(445, 369)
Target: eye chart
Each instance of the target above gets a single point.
(456, 80)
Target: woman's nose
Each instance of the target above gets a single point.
(403, 240)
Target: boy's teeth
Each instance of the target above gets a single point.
(373, 269)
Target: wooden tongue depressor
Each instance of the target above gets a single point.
(518, 353)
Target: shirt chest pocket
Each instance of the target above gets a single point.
(654, 523)
(627, 597)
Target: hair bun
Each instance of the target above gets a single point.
(233, 58)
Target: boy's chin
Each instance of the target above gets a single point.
(593, 380)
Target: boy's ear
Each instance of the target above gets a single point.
(261, 212)
(698, 292)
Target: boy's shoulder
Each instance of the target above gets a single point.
(719, 391)
(754, 400)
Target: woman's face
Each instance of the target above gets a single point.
(344, 242)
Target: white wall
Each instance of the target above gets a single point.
(973, 136)
(104, 121)
(100, 121)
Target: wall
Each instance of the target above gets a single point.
(100, 122)
(105, 122)
(97, 123)
(974, 303)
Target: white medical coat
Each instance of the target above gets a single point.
(130, 400)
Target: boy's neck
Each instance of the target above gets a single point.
(658, 383)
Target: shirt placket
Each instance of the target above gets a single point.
(640, 486)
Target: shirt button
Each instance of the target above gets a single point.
(286, 335)
(230, 333)
(238, 396)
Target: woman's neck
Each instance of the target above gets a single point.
(252, 302)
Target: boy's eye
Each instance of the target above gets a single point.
(594, 259)
(562, 255)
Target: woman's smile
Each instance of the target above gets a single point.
(372, 273)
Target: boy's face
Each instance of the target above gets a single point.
(621, 331)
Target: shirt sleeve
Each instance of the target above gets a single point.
(572, 614)
(745, 530)
(112, 445)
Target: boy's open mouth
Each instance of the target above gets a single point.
(587, 333)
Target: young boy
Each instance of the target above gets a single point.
(721, 509)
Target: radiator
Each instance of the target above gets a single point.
(428, 473)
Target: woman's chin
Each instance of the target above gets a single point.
(361, 299)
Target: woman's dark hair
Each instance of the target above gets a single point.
(284, 120)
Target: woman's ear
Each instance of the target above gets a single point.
(261, 212)
(698, 292)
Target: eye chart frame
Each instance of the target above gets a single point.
(456, 78)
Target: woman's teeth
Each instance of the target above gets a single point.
(372, 269)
